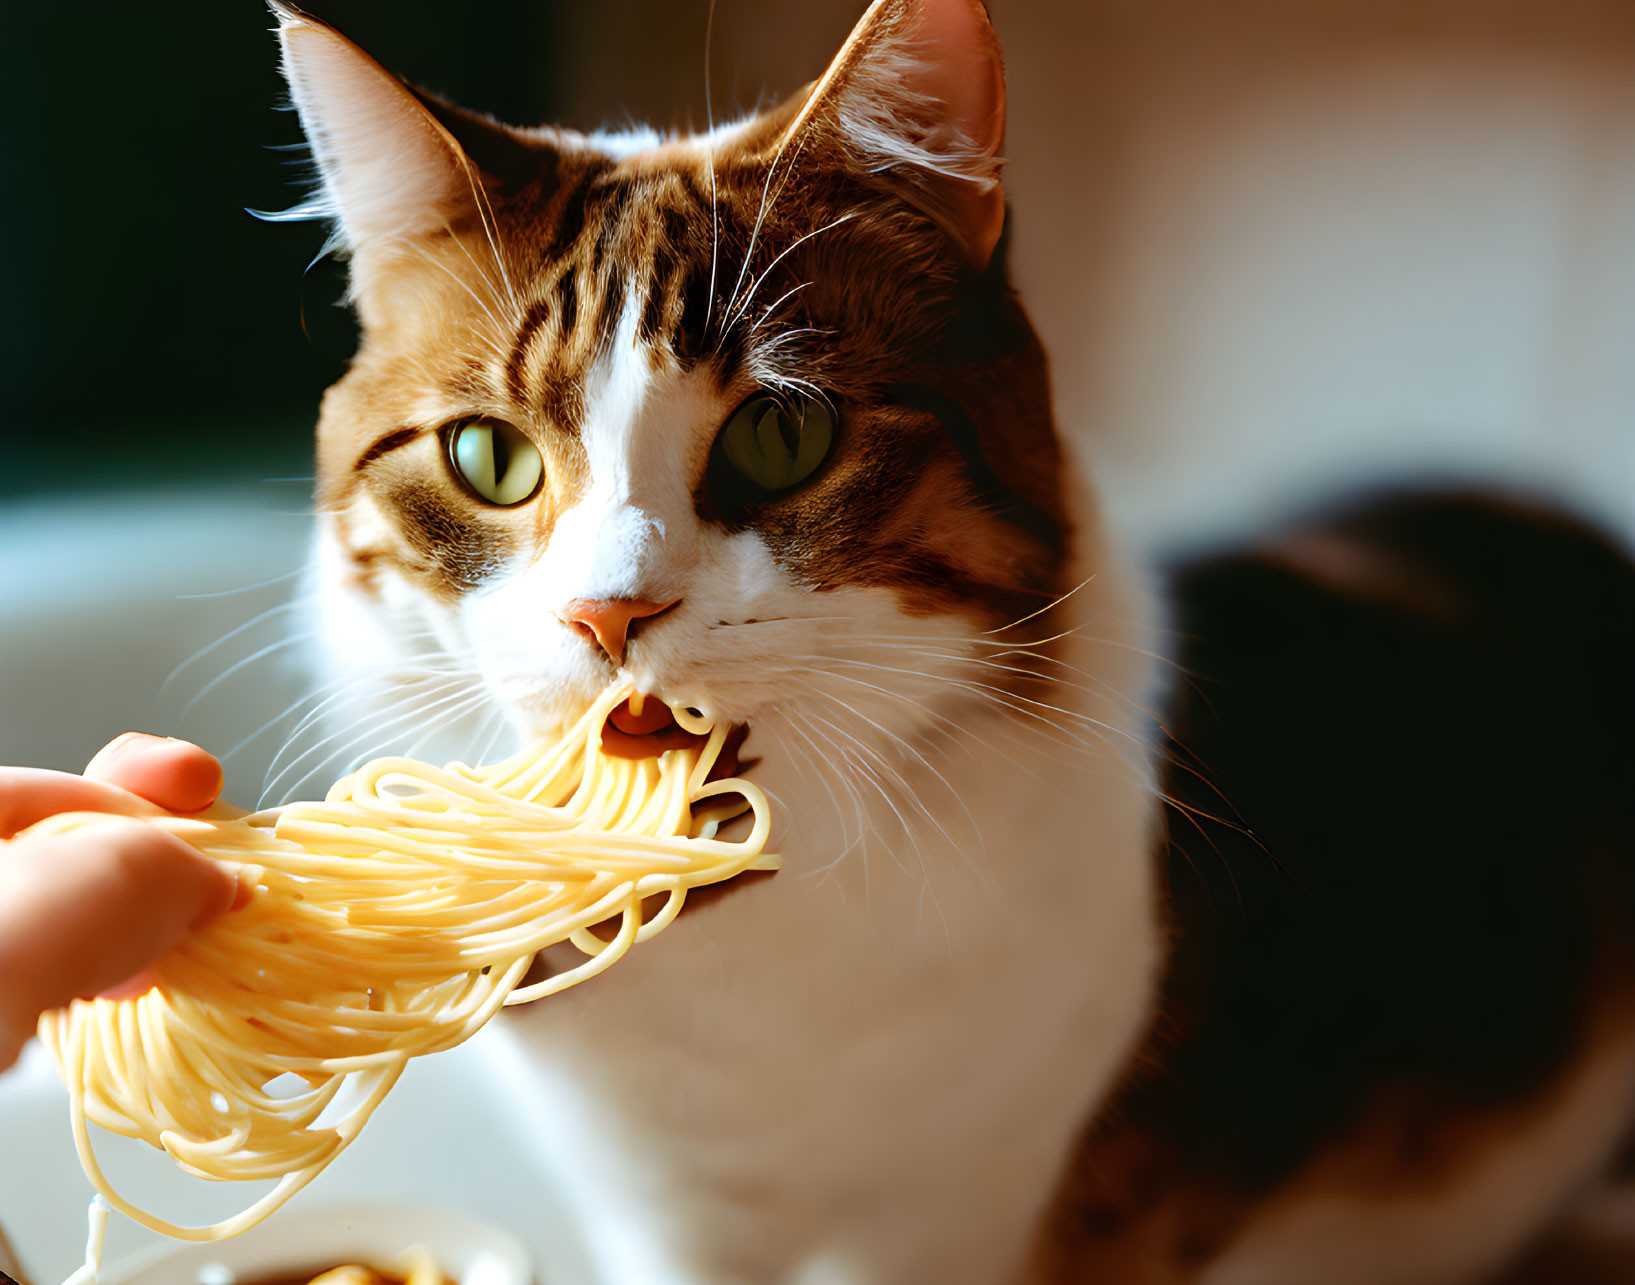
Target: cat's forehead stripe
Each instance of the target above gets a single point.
(615, 238)
(535, 317)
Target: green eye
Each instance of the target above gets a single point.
(495, 460)
(777, 444)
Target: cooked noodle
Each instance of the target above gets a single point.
(390, 921)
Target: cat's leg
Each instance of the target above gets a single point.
(1405, 1197)
(1378, 1211)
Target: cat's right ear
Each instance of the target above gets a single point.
(394, 163)
(917, 93)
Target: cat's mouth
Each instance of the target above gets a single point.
(654, 730)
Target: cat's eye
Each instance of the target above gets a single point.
(495, 461)
(775, 443)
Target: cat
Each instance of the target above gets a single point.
(1047, 990)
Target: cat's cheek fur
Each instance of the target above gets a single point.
(395, 660)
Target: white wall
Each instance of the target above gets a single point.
(1279, 247)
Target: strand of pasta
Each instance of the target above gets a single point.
(390, 921)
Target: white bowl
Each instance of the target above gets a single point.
(466, 1249)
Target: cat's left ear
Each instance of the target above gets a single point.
(396, 163)
(918, 91)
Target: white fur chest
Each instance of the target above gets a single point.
(870, 1076)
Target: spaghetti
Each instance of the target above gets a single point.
(390, 921)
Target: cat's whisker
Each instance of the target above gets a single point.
(292, 605)
(837, 761)
(959, 735)
(318, 694)
(490, 226)
(311, 719)
(360, 681)
(1077, 632)
(1029, 708)
(715, 213)
(749, 296)
(460, 281)
(1019, 705)
(1072, 715)
(415, 708)
(950, 731)
(819, 667)
(493, 290)
(418, 366)
(873, 776)
(953, 727)
(413, 749)
(1104, 690)
(269, 650)
(846, 773)
(766, 202)
(489, 746)
(785, 753)
(749, 252)
(452, 706)
(249, 588)
(822, 780)
(956, 795)
(860, 755)
(931, 652)
(1049, 606)
(772, 347)
(781, 380)
(775, 305)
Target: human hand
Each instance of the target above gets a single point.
(82, 912)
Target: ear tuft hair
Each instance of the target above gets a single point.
(388, 168)
(918, 91)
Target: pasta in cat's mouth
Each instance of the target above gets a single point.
(391, 920)
(645, 727)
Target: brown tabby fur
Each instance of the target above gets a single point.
(584, 235)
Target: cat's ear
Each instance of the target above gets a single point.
(918, 90)
(394, 162)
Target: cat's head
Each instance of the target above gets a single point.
(753, 415)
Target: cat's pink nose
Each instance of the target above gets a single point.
(611, 621)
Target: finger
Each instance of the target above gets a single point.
(30, 794)
(177, 775)
(133, 987)
(82, 911)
